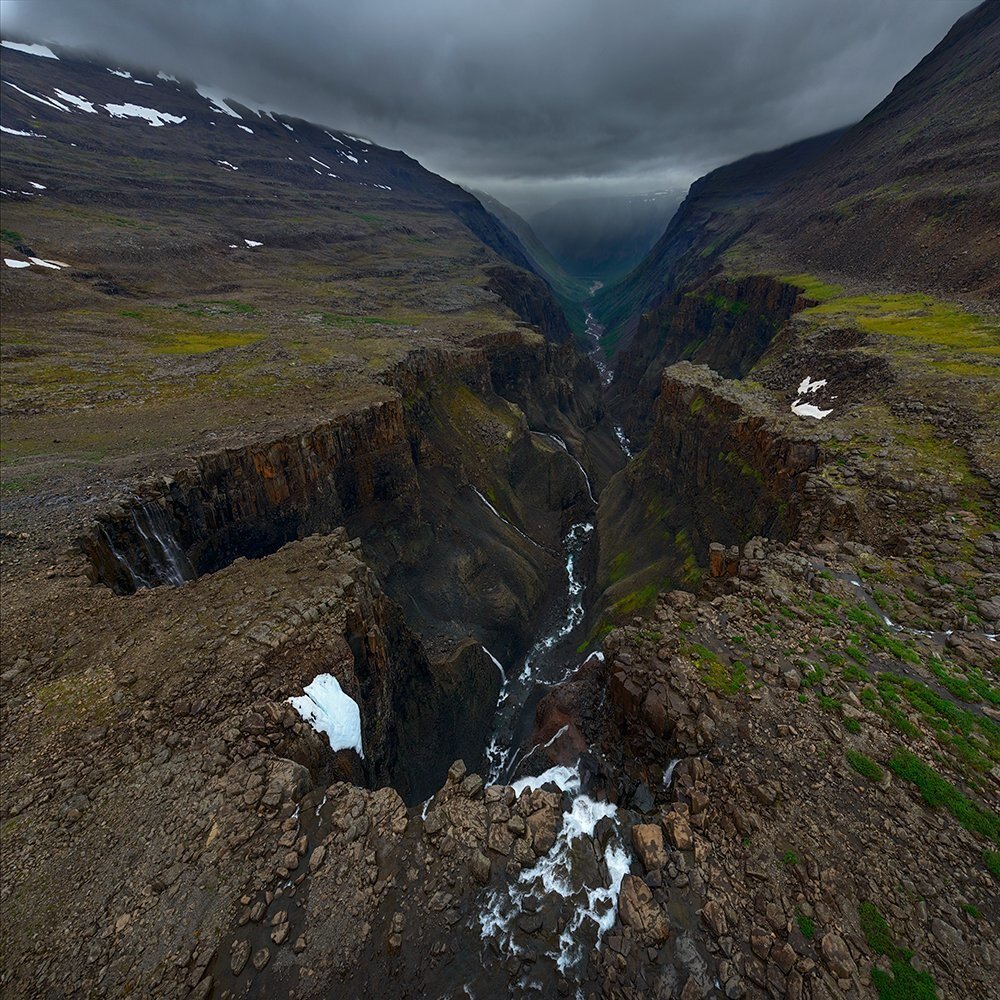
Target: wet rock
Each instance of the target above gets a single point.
(479, 867)
(544, 827)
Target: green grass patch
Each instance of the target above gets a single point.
(203, 342)
(917, 318)
(807, 926)
(903, 982)
(719, 676)
(864, 765)
(812, 287)
(936, 791)
(992, 860)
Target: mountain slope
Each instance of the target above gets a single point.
(709, 219)
(910, 195)
(603, 238)
(570, 290)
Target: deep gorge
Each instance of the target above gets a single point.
(468, 487)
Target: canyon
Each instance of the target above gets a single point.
(672, 637)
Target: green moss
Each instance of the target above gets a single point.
(11, 236)
(697, 405)
(812, 287)
(75, 699)
(992, 859)
(936, 791)
(864, 765)
(635, 601)
(903, 982)
(719, 676)
(806, 926)
(201, 342)
(618, 569)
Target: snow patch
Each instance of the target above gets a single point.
(167, 77)
(326, 708)
(123, 73)
(320, 162)
(246, 128)
(806, 386)
(143, 83)
(217, 102)
(14, 131)
(226, 163)
(37, 186)
(31, 50)
(80, 102)
(151, 115)
(49, 102)
(801, 409)
(253, 243)
(11, 262)
(46, 263)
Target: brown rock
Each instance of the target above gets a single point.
(717, 559)
(837, 956)
(678, 831)
(479, 867)
(714, 917)
(500, 839)
(639, 911)
(647, 841)
(543, 826)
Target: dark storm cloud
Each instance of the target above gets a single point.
(525, 96)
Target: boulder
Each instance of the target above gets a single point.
(647, 841)
(639, 911)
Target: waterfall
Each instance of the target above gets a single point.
(148, 552)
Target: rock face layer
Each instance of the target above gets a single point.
(725, 323)
(720, 466)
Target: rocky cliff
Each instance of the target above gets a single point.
(721, 466)
(726, 323)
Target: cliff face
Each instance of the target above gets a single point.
(461, 508)
(530, 298)
(725, 323)
(720, 466)
(250, 501)
(735, 464)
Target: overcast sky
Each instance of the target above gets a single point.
(531, 100)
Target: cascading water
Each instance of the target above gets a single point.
(537, 667)
(157, 556)
(576, 877)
